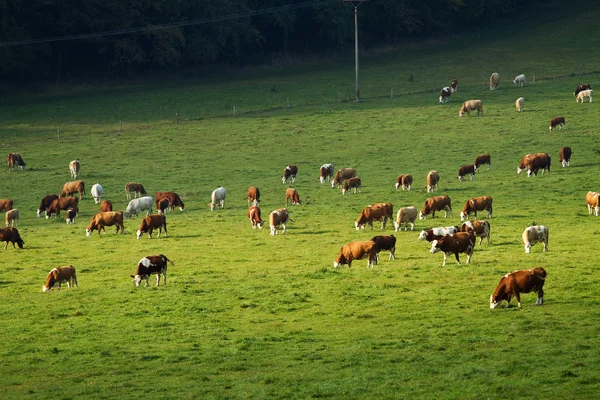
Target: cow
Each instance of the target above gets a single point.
(71, 214)
(136, 205)
(481, 203)
(253, 196)
(97, 192)
(437, 203)
(352, 183)
(70, 188)
(375, 212)
(494, 81)
(534, 162)
(254, 216)
(592, 200)
(387, 243)
(59, 275)
(289, 174)
(405, 216)
(291, 195)
(74, 168)
(519, 104)
(557, 122)
(14, 159)
(535, 234)
(459, 242)
(106, 206)
(163, 205)
(12, 217)
(565, 156)
(357, 251)
(341, 175)
(432, 180)
(519, 80)
(326, 172)
(174, 199)
(6, 204)
(151, 265)
(62, 204)
(404, 181)
(11, 235)
(454, 85)
(218, 198)
(481, 229)
(437, 233)
(580, 88)
(100, 220)
(583, 94)
(481, 160)
(278, 217)
(470, 105)
(445, 95)
(136, 188)
(45, 203)
(151, 222)
(466, 170)
(523, 281)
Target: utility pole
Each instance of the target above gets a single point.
(355, 4)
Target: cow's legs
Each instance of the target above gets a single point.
(518, 297)
(392, 251)
(147, 277)
(165, 227)
(468, 257)
(540, 298)
(444, 263)
(284, 227)
(545, 243)
(457, 259)
(158, 278)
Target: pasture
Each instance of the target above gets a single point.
(248, 315)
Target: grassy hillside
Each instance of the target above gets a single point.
(248, 315)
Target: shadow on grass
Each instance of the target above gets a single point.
(6, 282)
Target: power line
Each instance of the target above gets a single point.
(201, 21)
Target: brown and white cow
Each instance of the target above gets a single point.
(565, 156)
(74, 167)
(6, 204)
(254, 216)
(12, 217)
(466, 170)
(445, 95)
(437, 233)
(437, 203)
(136, 188)
(70, 188)
(470, 105)
(481, 229)
(289, 174)
(432, 180)
(405, 216)
(557, 122)
(534, 162)
(352, 183)
(163, 206)
(581, 88)
(523, 281)
(341, 175)
(460, 242)
(106, 206)
(11, 235)
(454, 85)
(100, 220)
(387, 243)
(404, 181)
(592, 200)
(494, 81)
(45, 203)
(535, 234)
(59, 275)
(481, 160)
(375, 212)
(151, 265)
(278, 217)
(291, 195)
(71, 215)
(326, 172)
(14, 159)
(174, 199)
(357, 251)
(481, 203)
(151, 222)
(253, 196)
(62, 204)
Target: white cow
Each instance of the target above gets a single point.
(139, 204)
(405, 216)
(519, 80)
(97, 192)
(584, 93)
(535, 234)
(218, 198)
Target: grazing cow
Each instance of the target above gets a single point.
(106, 206)
(163, 205)
(289, 174)
(432, 180)
(151, 222)
(70, 188)
(375, 212)
(136, 205)
(404, 181)
(352, 183)
(12, 217)
(405, 216)
(437, 233)
(326, 172)
(520, 104)
(152, 265)
(218, 198)
(534, 162)
(45, 203)
(71, 214)
(291, 195)
(59, 275)
(475, 204)
(519, 80)
(459, 242)
(437, 203)
(445, 95)
(6, 204)
(535, 234)
(481, 160)
(454, 85)
(469, 105)
(580, 88)
(254, 216)
(387, 243)
(583, 94)
(565, 156)
(11, 235)
(466, 170)
(100, 220)
(592, 200)
(494, 81)
(341, 175)
(174, 199)
(14, 159)
(97, 192)
(278, 217)
(136, 188)
(62, 204)
(74, 168)
(357, 251)
(523, 281)
(481, 229)
(557, 122)
(253, 196)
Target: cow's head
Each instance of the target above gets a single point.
(423, 235)
(138, 233)
(494, 302)
(434, 247)
(359, 224)
(88, 232)
(463, 215)
(461, 177)
(39, 213)
(422, 216)
(137, 279)
(340, 260)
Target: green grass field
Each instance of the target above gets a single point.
(248, 315)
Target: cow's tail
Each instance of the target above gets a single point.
(167, 260)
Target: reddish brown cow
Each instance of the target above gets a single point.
(45, 203)
(62, 204)
(387, 243)
(152, 265)
(481, 160)
(481, 229)
(523, 281)
(151, 222)
(557, 122)
(432, 180)
(481, 203)
(326, 172)
(136, 188)
(253, 196)
(70, 188)
(163, 205)
(357, 251)
(445, 95)
(565, 156)
(404, 181)
(100, 220)
(460, 242)
(106, 206)
(352, 183)
(174, 199)
(454, 85)
(71, 214)
(6, 204)
(534, 162)
(11, 235)
(437, 203)
(59, 275)
(466, 170)
(592, 200)
(341, 175)
(14, 159)
(254, 216)
(375, 212)
(289, 174)
(291, 195)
